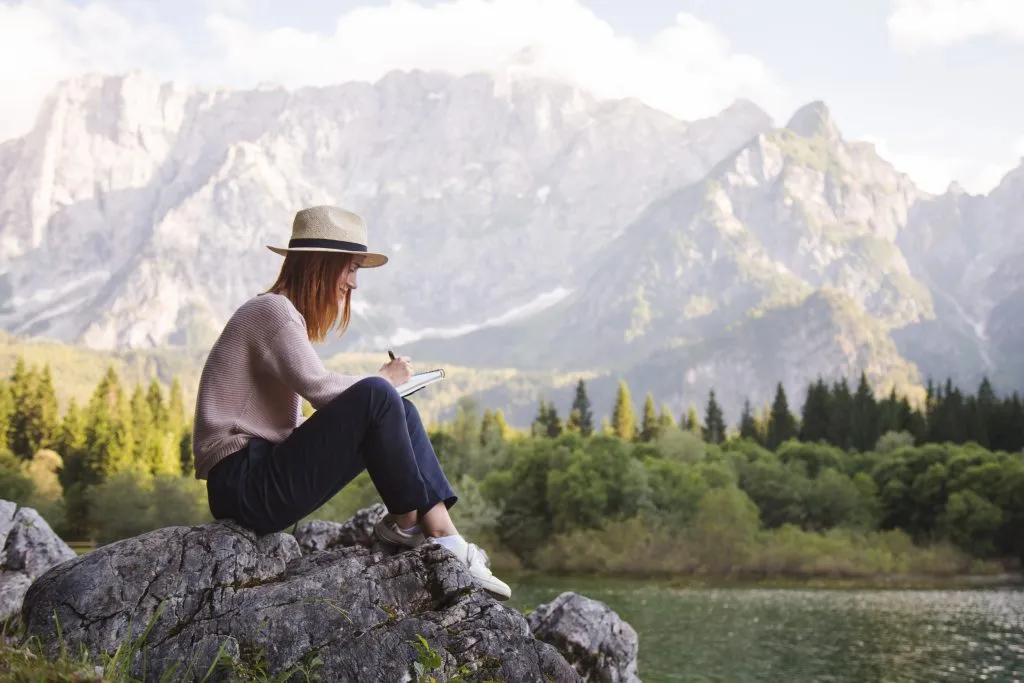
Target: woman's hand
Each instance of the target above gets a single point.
(397, 371)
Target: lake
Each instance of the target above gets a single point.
(740, 635)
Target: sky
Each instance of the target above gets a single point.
(930, 82)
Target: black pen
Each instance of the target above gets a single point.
(391, 354)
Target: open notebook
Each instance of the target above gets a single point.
(420, 380)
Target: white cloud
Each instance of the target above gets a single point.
(918, 24)
(934, 173)
(45, 41)
(687, 69)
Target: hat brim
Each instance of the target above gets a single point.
(370, 259)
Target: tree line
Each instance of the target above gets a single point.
(850, 484)
(831, 414)
(70, 466)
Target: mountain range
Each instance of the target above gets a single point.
(531, 226)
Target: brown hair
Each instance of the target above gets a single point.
(310, 280)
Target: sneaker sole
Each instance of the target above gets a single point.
(500, 597)
(493, 592)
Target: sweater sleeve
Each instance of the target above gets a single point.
(290, 357)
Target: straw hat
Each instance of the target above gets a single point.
(330, 228)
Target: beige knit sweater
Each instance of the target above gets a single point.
(254, 380)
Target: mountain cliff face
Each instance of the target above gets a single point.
(795, 210)
(136, 213)
(969, 252)
(530, 226)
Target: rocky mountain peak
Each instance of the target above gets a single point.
(814, 120)
(956, 189)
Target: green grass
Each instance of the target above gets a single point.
(23, 660)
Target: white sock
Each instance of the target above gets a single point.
(412, 531)
(453, 543)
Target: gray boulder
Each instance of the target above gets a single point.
(218, 595)
(28, 547)
(318, 535)
(598, 643)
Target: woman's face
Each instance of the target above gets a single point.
(347, 280)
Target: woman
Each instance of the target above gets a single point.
(265, 466)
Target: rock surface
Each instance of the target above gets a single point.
(28, 547)
(317, 535)
(598, 643)
(351, 613)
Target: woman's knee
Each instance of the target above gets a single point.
(377, 388)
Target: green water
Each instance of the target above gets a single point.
(858, 636)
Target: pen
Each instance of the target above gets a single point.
(391, 354)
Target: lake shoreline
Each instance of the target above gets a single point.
(894, 582)
(798, 633)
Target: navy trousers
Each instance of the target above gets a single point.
(269, 487)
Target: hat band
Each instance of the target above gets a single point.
(319, 243)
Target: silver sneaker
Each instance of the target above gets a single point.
(387, 530)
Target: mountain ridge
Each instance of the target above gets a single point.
(585, 235)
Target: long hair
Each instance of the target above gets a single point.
(310, 280)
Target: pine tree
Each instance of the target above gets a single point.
(749, 429)
(714, 421)
(553, 422)
(17, 397)
(985, 416)
(490, 433)
(840, 421)
(581, 417)
(665, 419)
(949, 419)
(539, 426)
(49, 407)
(915, 421)
(865, 416)
(33, 420)
(155, 446)
(781, 424)
(502, 425)
(572, 422)
(145, 437)
(649, 422)
(108, 442)
(931, 406)
(547, 423)
(1014, 437)
(691, 422)
(623, 417)
(70, 445)
(155, 400)
(176, 407)
(185, 454)
(814, 418)
(890, 418)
